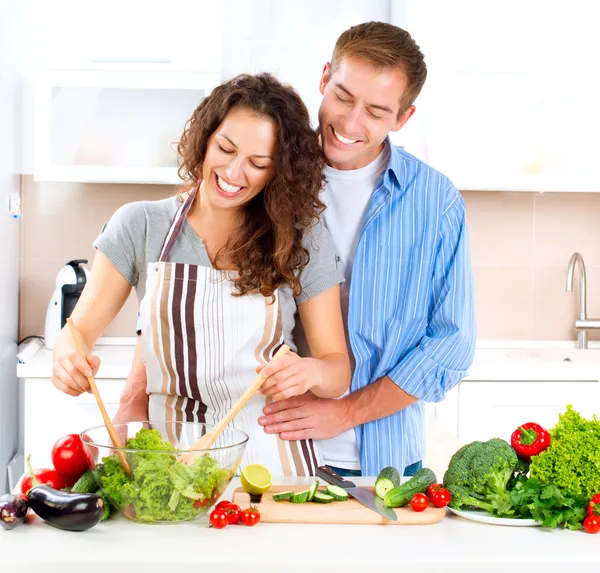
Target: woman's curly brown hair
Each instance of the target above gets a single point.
(266, 248)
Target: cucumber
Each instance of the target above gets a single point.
(323, 498)
(401, 495)
(312, 490)
(86, 483)
(337, 493)
(300, 497)
(388, 479)
(283, 495)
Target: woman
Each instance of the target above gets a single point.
(221, 270)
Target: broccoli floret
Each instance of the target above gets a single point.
(478, 475)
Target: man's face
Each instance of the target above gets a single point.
(360, 107)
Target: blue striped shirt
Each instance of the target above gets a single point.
(412, 310)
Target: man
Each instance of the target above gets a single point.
(399, 227)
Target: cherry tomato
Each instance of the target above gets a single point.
(433, 488)
(594, 505)
(440, 498)
(45, 476)
(234, 513)
(222, 504)
(69, 457)
(200, 503)
(218, 519)
(250, 516)
(592, 524)
(419, 502)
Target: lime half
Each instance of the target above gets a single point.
(256, 479)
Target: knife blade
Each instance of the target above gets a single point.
(361, 494)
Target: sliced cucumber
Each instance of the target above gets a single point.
(312, 490)
(387, 480)
(337, 493)
(323, 498)
(283, 495)
(300, 497)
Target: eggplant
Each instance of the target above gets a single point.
(13, 511)
(65, 509)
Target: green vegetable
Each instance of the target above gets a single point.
(161, 488)
(572, 461)
(388, 479)
(301, 496)
(548, 504)
(478, 476)
(313, 489)
(337, 493)
(401, 495)
(283, 495)
(321, 497)
(86, 483)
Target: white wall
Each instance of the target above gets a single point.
(292, 39)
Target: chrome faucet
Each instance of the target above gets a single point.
(583, 324)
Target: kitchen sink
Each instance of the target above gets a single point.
(554, 355)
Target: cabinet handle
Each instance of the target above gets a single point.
(129, 61)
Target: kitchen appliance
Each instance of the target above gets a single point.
(70, 281)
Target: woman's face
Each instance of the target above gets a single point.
(239, 158)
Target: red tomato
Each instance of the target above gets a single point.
(592, 524)
(250, 516)
(440, 498)
(433, 488)
(69, 457)
(222, 504)
(234, 513)
(419, 502)
(594, 505)
(45, 476)
(218, 519)
(200, 503)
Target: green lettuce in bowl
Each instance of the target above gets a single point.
(162, 489)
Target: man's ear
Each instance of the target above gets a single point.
(404, 118)
(324, 77)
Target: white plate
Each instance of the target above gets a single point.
(484, 517)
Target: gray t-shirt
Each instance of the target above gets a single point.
(135, 235)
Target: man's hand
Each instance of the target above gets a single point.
(304, 417)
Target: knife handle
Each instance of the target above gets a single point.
(334, 479)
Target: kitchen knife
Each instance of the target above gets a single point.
(366, 497)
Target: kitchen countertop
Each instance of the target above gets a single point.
(494, 360)
(454, 545)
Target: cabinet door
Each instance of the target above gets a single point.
(149, 35)
(494, 409)
(50, 414)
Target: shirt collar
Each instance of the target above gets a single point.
(394, 172)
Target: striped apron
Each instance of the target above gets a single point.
(201, 346)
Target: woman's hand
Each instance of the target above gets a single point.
(70, 370)
(291, 376)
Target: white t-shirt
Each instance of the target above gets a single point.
(347, 195)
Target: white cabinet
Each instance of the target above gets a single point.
(49, 414)
(116, 82)
(113, 126)
(495, 409)
(148, 35)
(496, 113)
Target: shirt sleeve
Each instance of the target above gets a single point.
(441, 358)
(324, 268)
(123, 240)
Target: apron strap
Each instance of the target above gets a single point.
(177, 225)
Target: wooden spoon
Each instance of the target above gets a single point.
(107, 421)
(208, 439)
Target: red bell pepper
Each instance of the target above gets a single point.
(530, 440)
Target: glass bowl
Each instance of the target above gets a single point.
(161, 488)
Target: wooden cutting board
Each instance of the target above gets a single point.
(350, 511)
